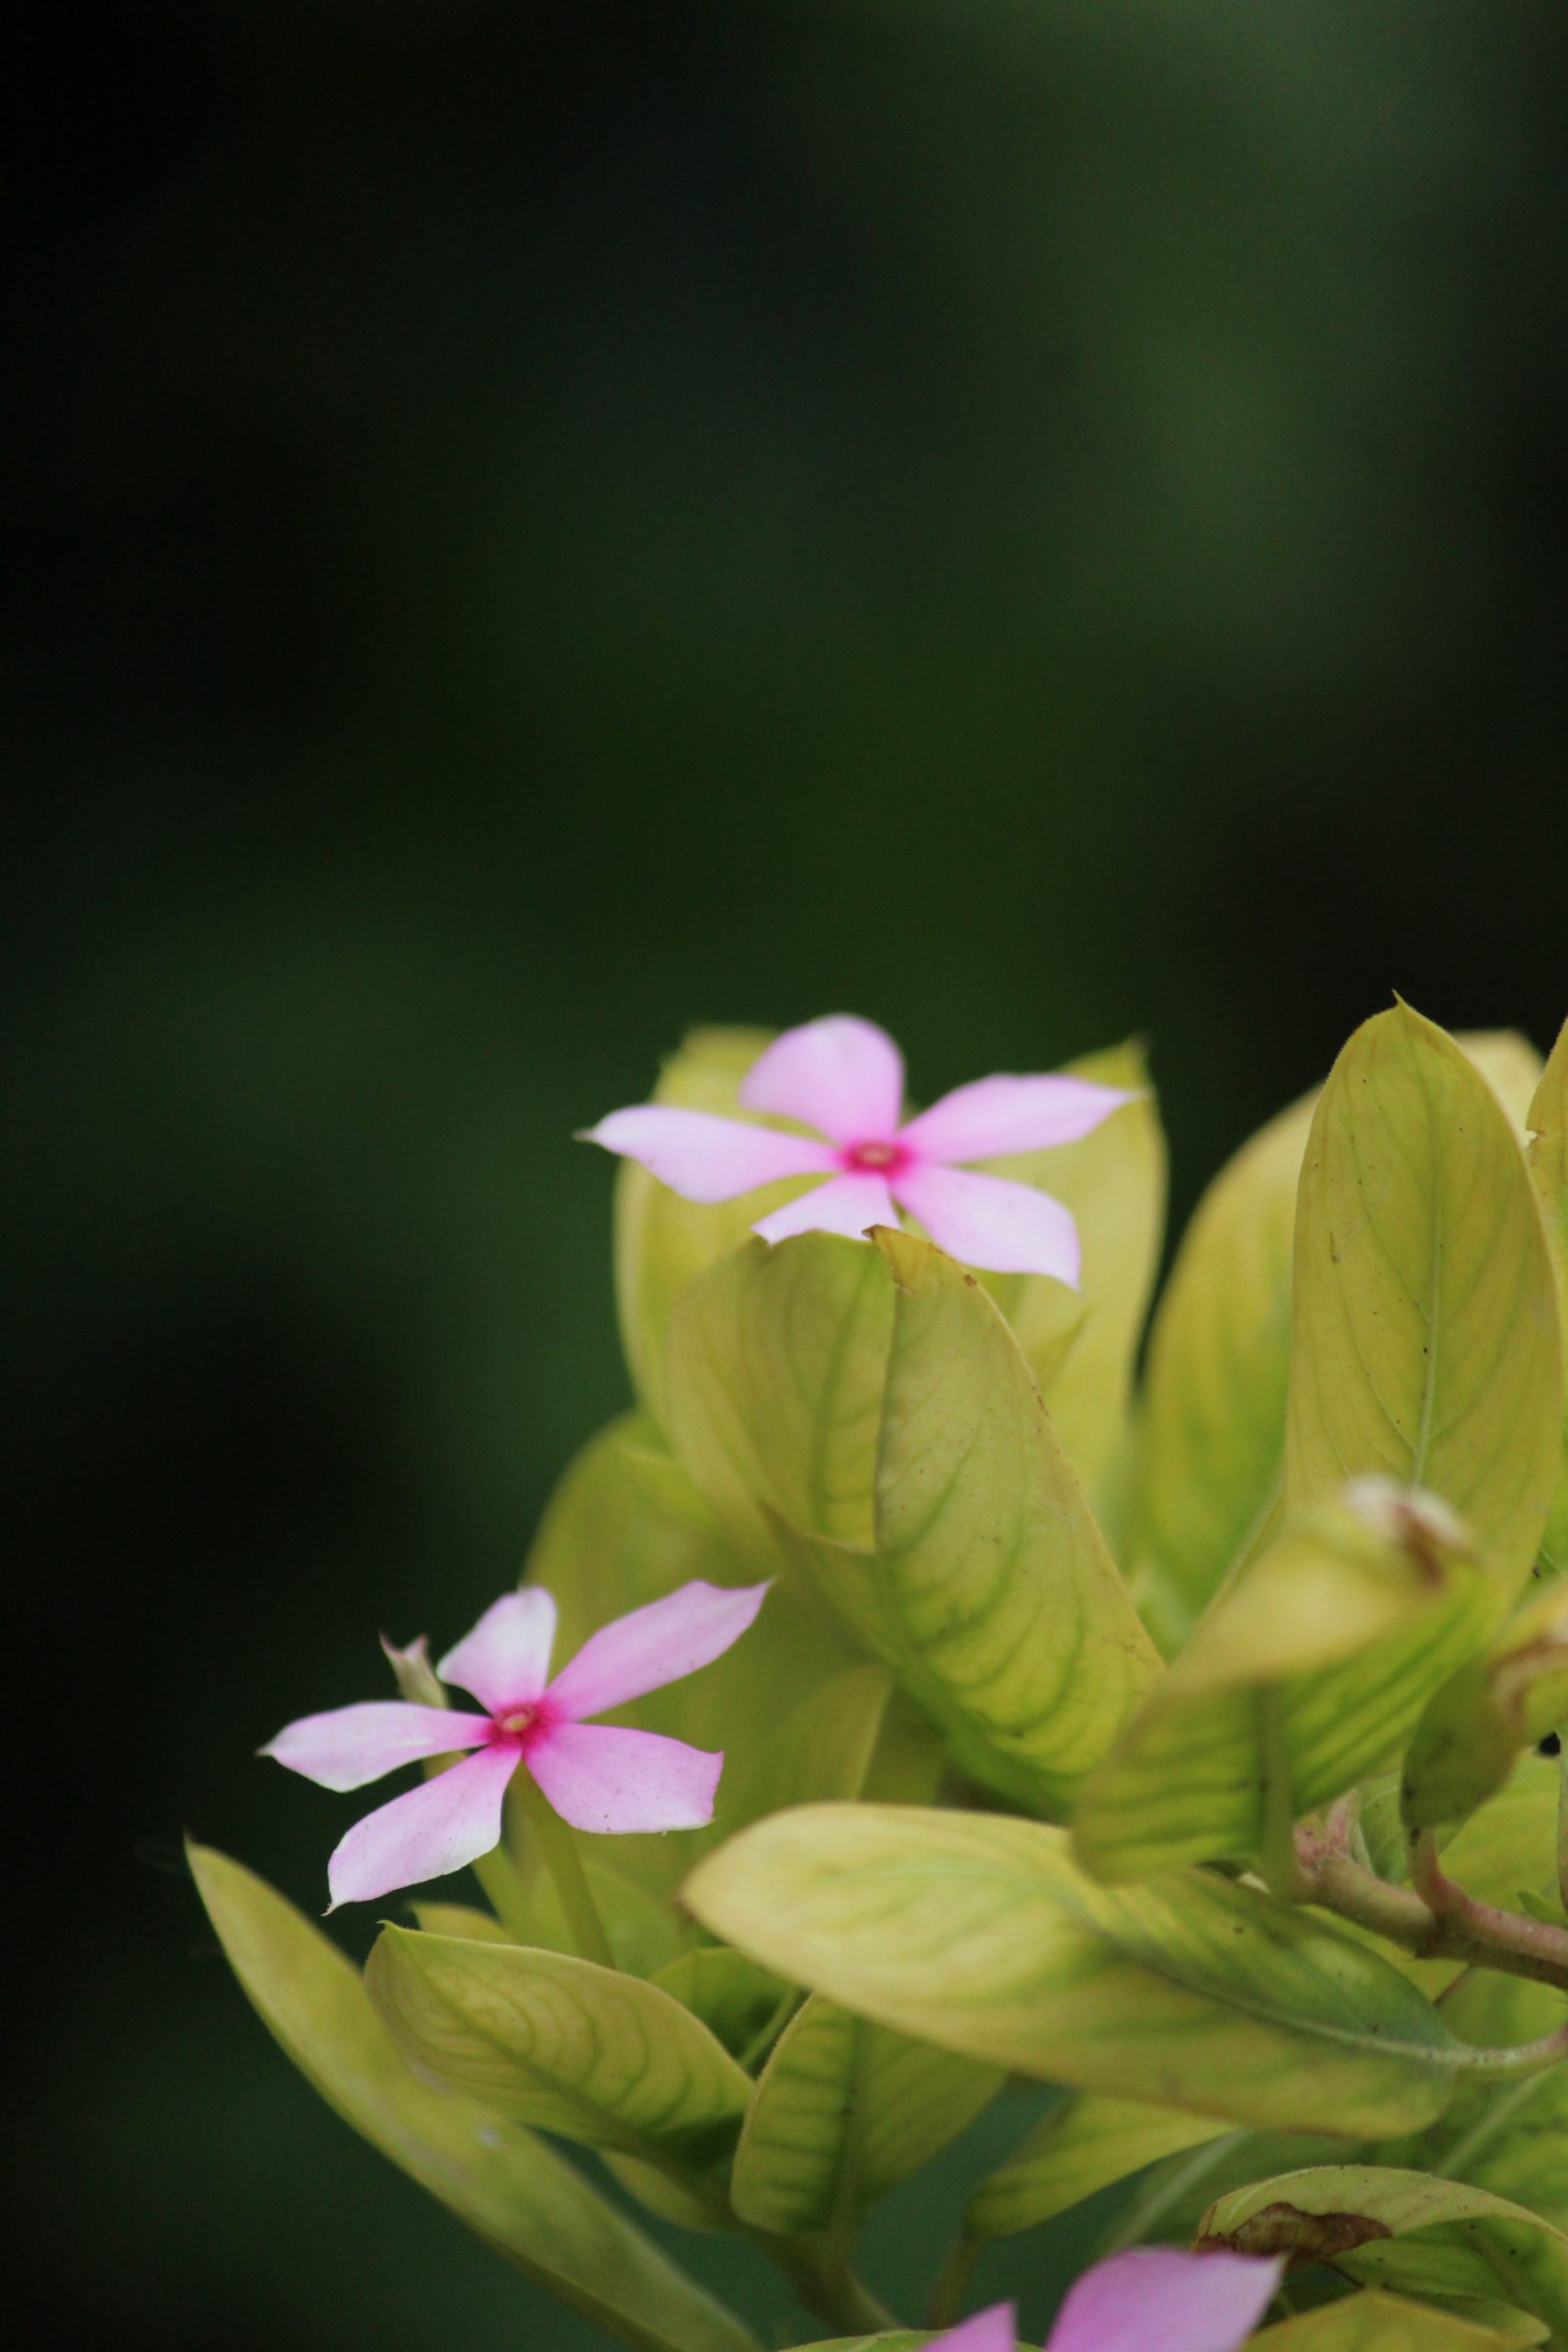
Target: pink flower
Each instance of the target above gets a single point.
(1153, 2295)
(596, 1776)
(845, 1078)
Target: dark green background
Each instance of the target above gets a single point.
(541, 524)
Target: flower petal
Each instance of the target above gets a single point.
(704, 1158)
(992, 1115)
(601, 1777)
(842, 1075)
(989, 2331)
(349, 1746)
(1185, 2303)
(846, 1206)
(438, 1827)
(1004, 1227)
(505, 1661)
(652, 1646)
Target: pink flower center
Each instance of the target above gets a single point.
(875, 1158)
(520, 1723)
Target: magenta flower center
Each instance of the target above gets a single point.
(875, 1158)
(518, 1723)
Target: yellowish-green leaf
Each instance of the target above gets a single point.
(558, 2042)
(1084, 2144)
(503, 2181)
(1375, 2322)
(1472, 1730)
(875, 1396)
(979, 1933)
(845, 2111)
(1211, 1448)
(1080, 1345)
(1306, 1670)
(1406, 2231)
(1549, 1168)
(1426, 1342)
(626, 1526)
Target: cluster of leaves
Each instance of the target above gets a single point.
(1069, 1729)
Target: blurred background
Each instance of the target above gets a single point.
(539, 524)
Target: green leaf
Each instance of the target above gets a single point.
(1373, 2322)
(871, 1405)
(1472, 1730)
(734, 1997)
(624, 1526)
(1212, 1450)
(1308, 1669)
(1427, 1339)
(979, 1934)
(1081, 1345)
(1084, 2144)
(1407, 2231)
(504, 2182)
(845, 2111)
(597, 2056)
(1549, 1169)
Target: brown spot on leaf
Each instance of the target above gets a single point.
(1300, 2238)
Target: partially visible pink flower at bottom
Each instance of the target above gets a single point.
(1152, 2299)
(598, 1777)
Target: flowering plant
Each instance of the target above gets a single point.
(986, 1714)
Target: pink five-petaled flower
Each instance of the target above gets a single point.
(597, 1776)
(845, 1078)
(1152, 2299)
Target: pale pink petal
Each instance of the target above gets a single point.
(1156, 2294)
(846, 1206)
(704, 1158)
(842, 1076)
(1005, 1228)
(598, 1777)
(990, 2331)
(992, 1115)
(652, 1646)
(432, 1829)
(505, 1661)
(350, 1746)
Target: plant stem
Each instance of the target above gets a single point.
(1142, 2213)
(1481, 2133)
(1459, 1930)
(1281, 1864)
(825, 2284)
(768, 2033)
(559, 1848)
(497, 1874)
(953, 2281)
